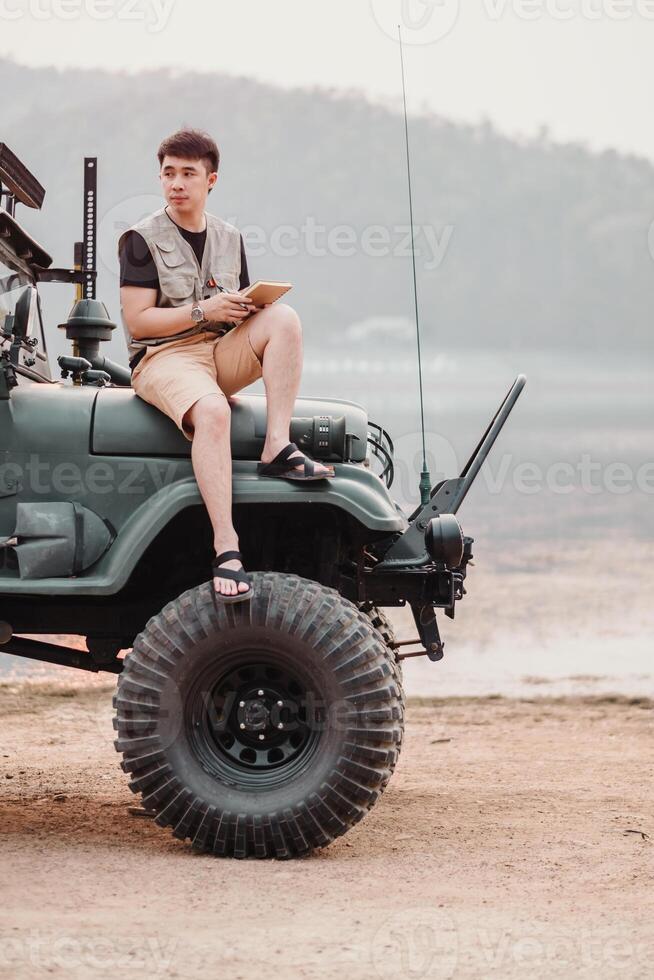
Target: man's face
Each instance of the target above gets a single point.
(185, 183)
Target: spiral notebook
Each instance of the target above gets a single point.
(262, 292)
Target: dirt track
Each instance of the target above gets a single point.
(516, 839)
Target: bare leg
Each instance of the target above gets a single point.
(211, 455)
(276, 337)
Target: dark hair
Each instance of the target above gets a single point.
(191, 144)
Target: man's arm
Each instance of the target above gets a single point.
(145, 319)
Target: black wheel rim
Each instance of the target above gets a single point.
(255, 722)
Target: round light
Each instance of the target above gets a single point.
(444, 540)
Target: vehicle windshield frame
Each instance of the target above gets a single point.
(9, 258)
(24, 276)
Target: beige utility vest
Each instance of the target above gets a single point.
(181, 279)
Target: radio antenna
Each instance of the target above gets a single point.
(425, 478)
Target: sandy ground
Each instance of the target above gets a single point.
(516, 839)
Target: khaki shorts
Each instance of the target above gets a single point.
(174, 376)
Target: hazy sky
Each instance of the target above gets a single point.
(584, 68)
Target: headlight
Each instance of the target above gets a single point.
(444, 540)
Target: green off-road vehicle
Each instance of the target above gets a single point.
(265, 728)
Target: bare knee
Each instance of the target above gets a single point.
(279, 321)
(210, 412)
(286, 319)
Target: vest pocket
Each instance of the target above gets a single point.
(228, 279)
(170, 253)
(177, 286)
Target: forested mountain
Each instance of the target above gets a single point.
(529, 244)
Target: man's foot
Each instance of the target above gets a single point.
(228, 586)
(271, 451)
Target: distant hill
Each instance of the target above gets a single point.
(544, 245)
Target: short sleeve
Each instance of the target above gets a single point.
(137, 267)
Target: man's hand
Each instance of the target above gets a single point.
(227, 307)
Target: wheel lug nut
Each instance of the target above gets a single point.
(280, 704)
(261, 736)
(280, 725)
(260, 693)
(242, 725)
(241, 704)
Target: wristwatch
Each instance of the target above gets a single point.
(197, 314)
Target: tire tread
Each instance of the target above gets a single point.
(357, 645)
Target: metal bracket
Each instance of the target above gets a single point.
(8, 379)
(430, 637)
(78, 276)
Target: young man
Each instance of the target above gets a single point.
(181, 269)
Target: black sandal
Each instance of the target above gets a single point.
(236, 574)
(283, 466)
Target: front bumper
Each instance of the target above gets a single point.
(429, 584)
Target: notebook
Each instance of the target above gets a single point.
(262, 292)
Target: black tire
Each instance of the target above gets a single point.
(190, 712)
(383, 625)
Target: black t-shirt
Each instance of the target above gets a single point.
(138, 268)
